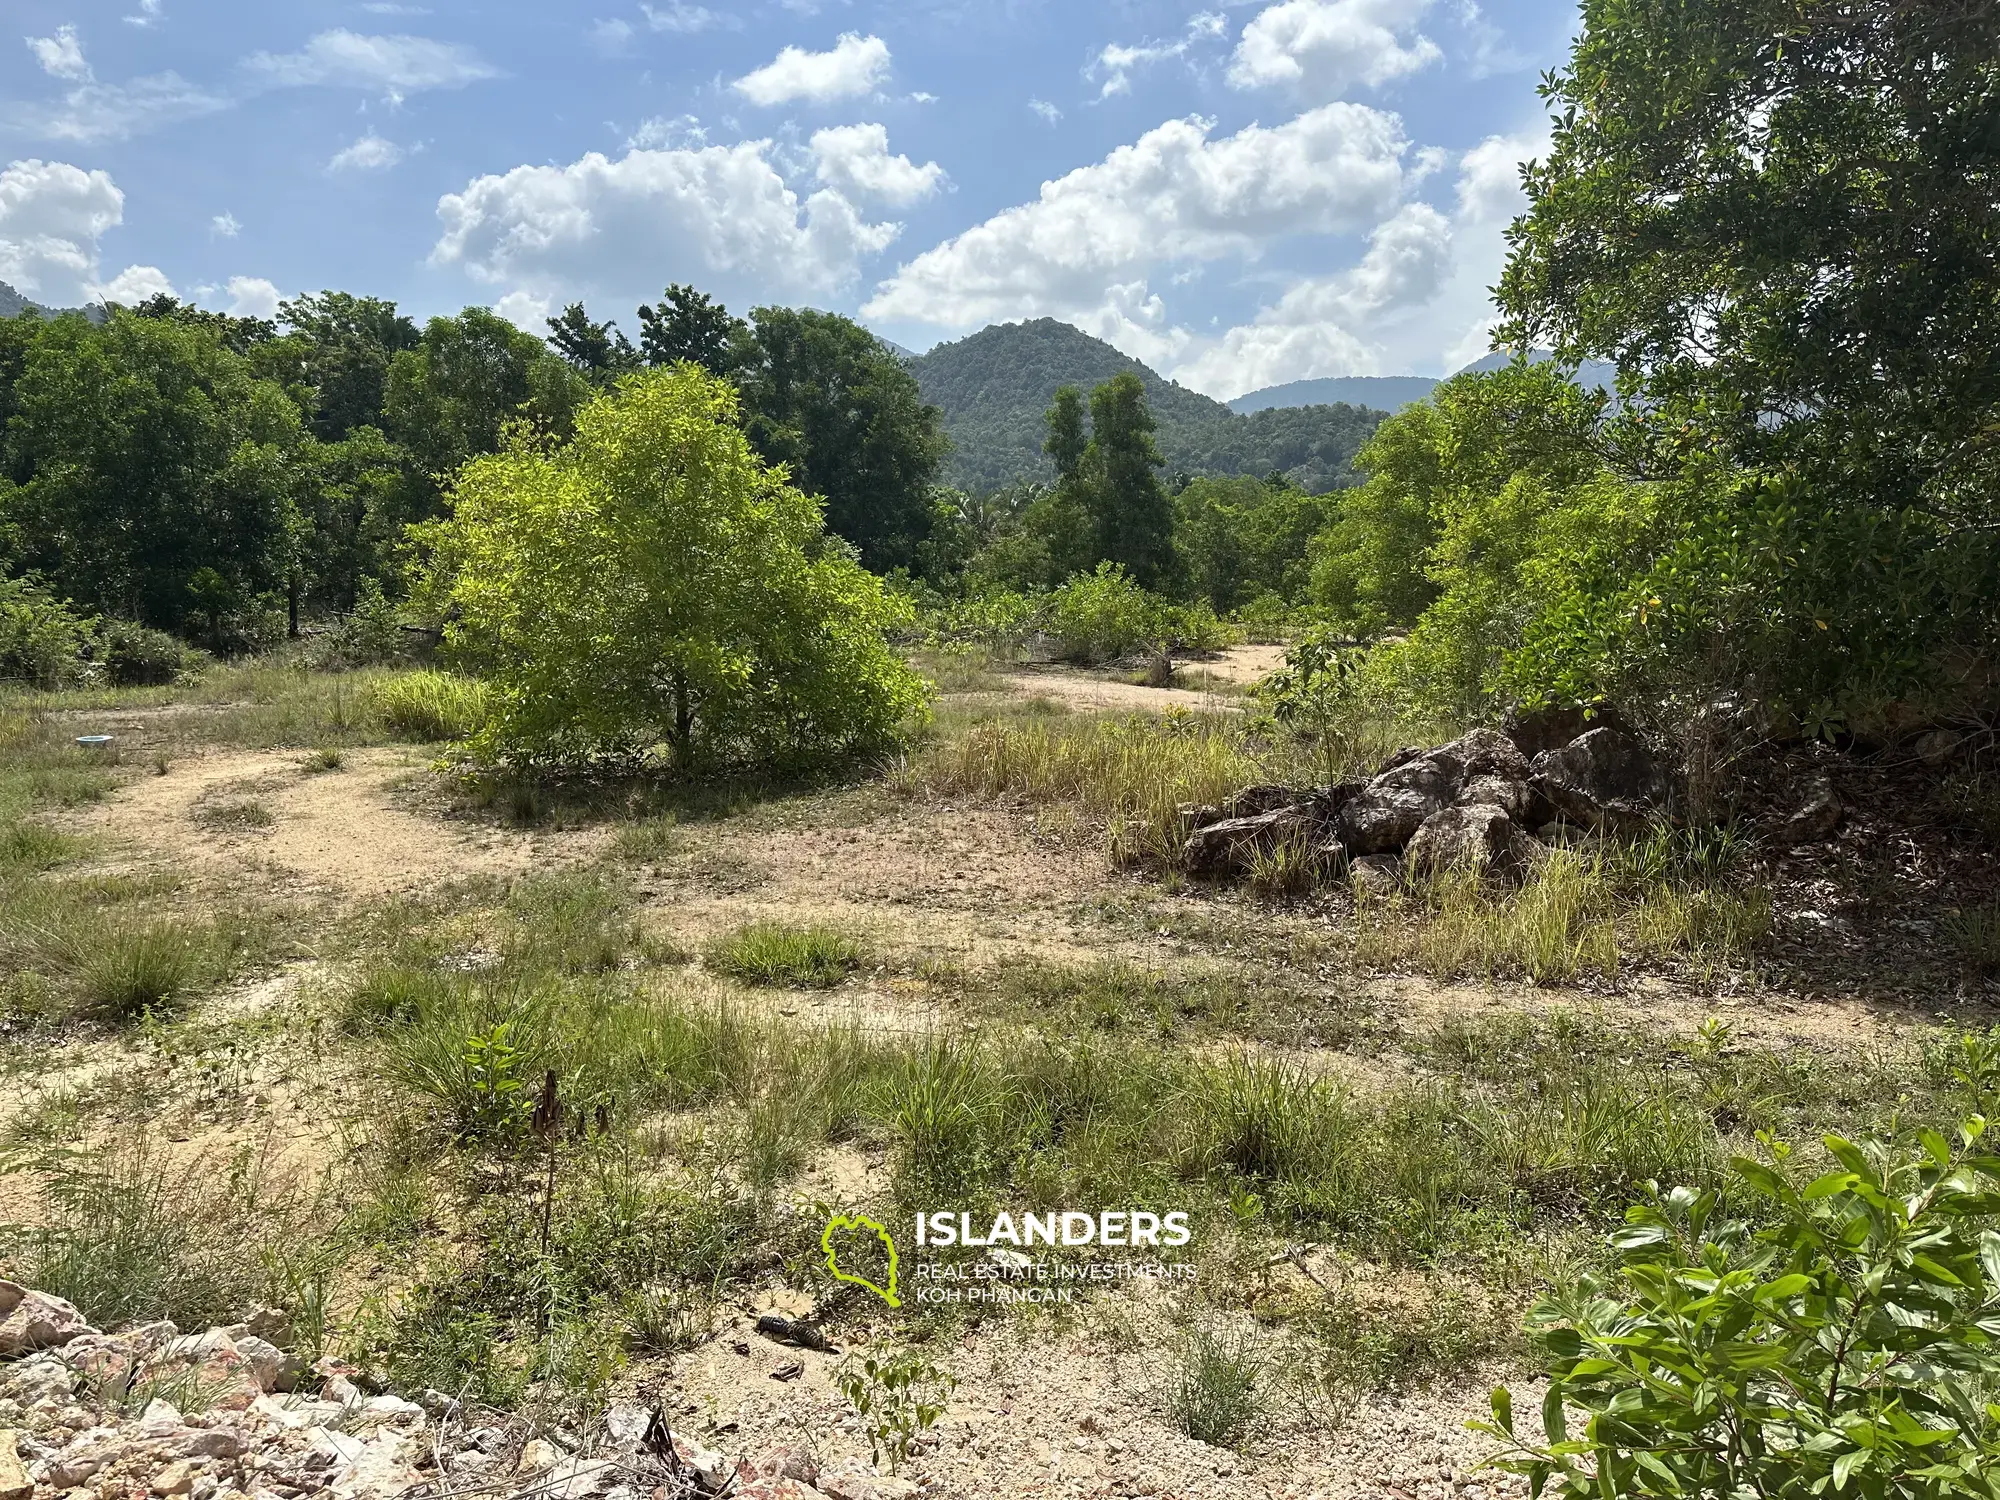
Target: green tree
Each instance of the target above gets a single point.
(651, 583)
(686, 325)
(1132, 519)
(1779, 218)
(1067, 441)
(823, 397)
(1240, 538)
(339, 346)
(598, 351)
(146, 451)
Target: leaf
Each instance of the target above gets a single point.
(1845, 1465)
(1555, 1422)
(1503, 1409)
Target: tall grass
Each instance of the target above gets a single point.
(430, 706)
(774, 953)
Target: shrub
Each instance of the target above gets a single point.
(654, 584)
(135, 656)
(1213, 1397)
(431, 706)
(1844, 1346)
(1102, 616)
(898, 1398)
(43, 643)
(771, 953)
(129, 969)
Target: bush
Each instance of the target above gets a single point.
(1102, 616)
(653, 584)
(1214, 1394)
(371, 635)
(1843, 1347)
(43, 643)
(135, 656)
(431, 706)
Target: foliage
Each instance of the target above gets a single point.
(651, 583)
(431, 706)
(686, 325)
(1843, 1340)
(1317, 695)
(1779, 221)
(1104, 615)
(821, 396)
(1214, 1392)
(771, 953)
(1240, 540)
(598, 351)
(898, 1397)
(43, 643)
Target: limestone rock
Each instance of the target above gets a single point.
(14, 1481)
(1510, 796)
(1606, 779)
(1481, 838)
(31, 1320)
(1376, 874)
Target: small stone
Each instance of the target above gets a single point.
(539, 1455)
(177, 1478)
(14, 1481)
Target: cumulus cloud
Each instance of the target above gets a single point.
(1489, 176)
(855, 66)
(61, 55)
(133, 285)
(856, 160)
(252, 297)
(225, 225)
(371, 153)
(720, 216)
(1324, 326)
(51, 217)
(388, 64)
(1085, 247)
(1319, 49)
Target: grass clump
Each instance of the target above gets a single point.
(777, 955)
(1214, 1394)
(430, 706)
(137, 967)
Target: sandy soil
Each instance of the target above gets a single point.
(1235, 669)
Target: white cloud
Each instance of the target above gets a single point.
(390, 64)
(51, 217)
(93, 112)
(856, 160)
(253, 297)
(61, 55)
(1319, 49)
(1325, 325)
(610, 37)
(132, 286)
(720, 216)
(682, 18)
(149, 14)
(371, 153)
(1173, 197)
(1489, 176)
(659, 133)
(526, 311)
(1116, 63)
(1045, 109)
(225, 225)
(855, 66)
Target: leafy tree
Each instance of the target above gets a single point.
(1067, 440)
(823, 397)
(451, 397)
(596, 350)
(339, 347)
(1117, 483)
(1241, 538)
(1844, 1343)
(688, 326)
(147, 451)
(1780, 219)
(238, 335)
(651, 583)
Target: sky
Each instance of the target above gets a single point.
(1240, 194)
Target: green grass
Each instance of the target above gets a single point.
(236, 817)
(1215, 1391)
(430, 706)
(772, 953)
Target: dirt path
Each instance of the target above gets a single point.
(1229, 672)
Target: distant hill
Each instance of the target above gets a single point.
(13, 304)
(995, 386)
(1391, 393)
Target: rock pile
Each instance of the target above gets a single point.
(1480, 802)
(228, 1415)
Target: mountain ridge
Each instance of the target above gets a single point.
(1391, 393)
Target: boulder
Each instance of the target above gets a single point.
(1254, 800)
(1376, 874)
(1514, 798)
(1386, 814)
(1481, 838)
(1230, 845)
(1817, 817)
(1606, 779)
(273, 1369)
(14, 1481)
(1383, 818)
(31, 1320)
(1536, 731)
(1939, 746)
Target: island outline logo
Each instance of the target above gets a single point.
(863, 1222)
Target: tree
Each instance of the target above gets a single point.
(597, 351)
(1780, 217)
(1067, 440)
(339, 347)
(650, 583)
(688, 326)
(823, 397)
(1239, 538)
(1134, 520)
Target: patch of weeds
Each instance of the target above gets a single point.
(573, 921)
(667, 1320)
(650, 841)
(898, 1398)
(1362, 1342)
(775, 954)
(430, 706)
(236, 817)
(34, 847)
(1975, 936)
(325, 758)
(1214, 1391)
(437, 1338)
(130, 968)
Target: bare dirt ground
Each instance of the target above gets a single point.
(1212, 684)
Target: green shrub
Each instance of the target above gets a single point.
(1841, 1342)
(43, 643)
(1102, 616)
(1214, 1393)
(431, 706)
(135, 656)
(898, 1398)
(127, 969)
(771, 953)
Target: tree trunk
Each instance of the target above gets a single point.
(683, 723)
(292, 628)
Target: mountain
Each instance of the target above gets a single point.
(995, 386)
(1392, 393)
(13, 304)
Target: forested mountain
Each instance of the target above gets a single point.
(1392, 393)
(995, 386)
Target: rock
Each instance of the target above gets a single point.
(272, 1367)
(1231, 844)
(212, 1442)
(1481, 838)
(1383, 818)
(1377, 874)
(1386, 814)
(1196, 815)
(789, 1463)
(538, 1455)
(1939, 746)
(161, 1415)
(1605, 779)
(1511, 797)
(14, 1481)
(391, 1409)
(177, 1478)
(1254, 800)
(778, 1487)
(269, 1323)
(1817, 816)
(1535, 731)
(31, 1320)
(1486, 752)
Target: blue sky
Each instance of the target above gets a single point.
(1240, 194)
